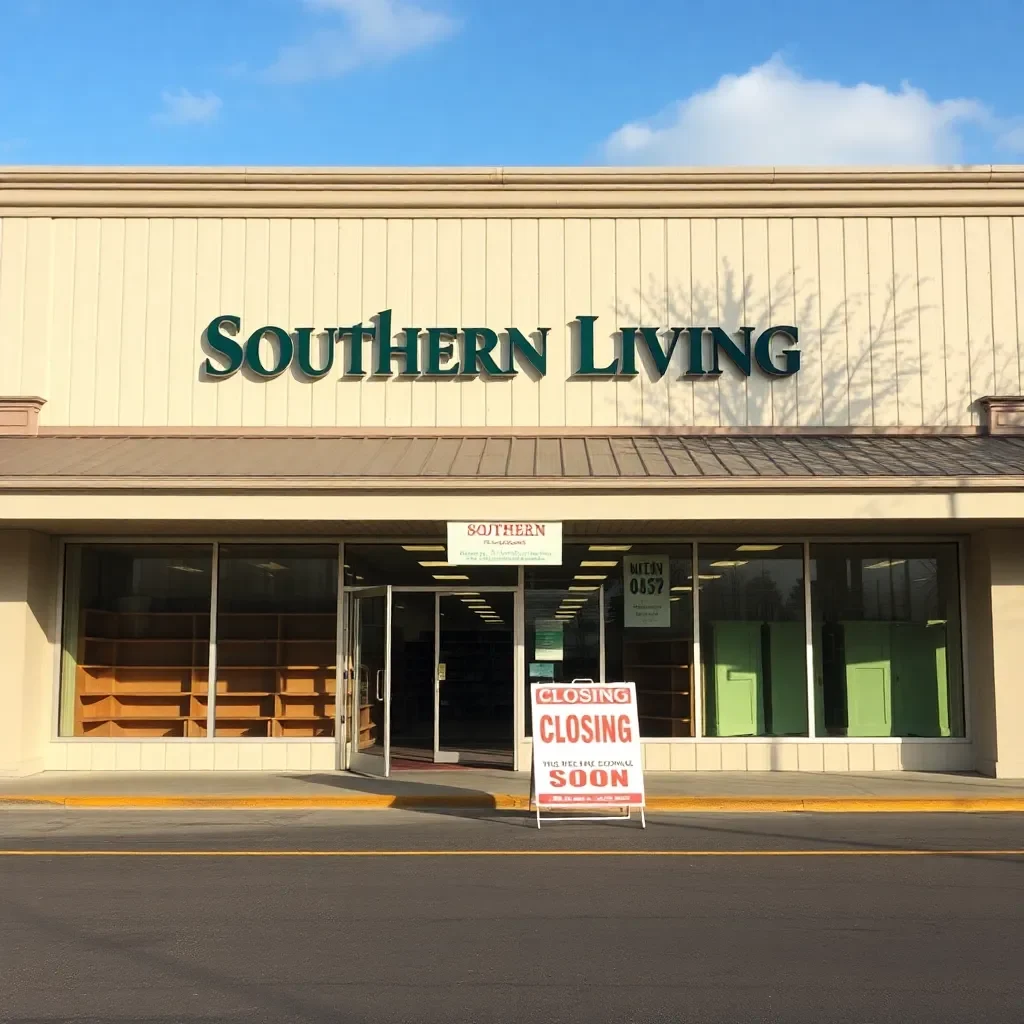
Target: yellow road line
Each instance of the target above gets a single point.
(512, 853)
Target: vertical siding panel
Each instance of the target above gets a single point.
(933, 324)
(497, 315)
(135, 315)
(110, 324)
(603, 260)
(858, 320)
(654, 391)
(680, 314)
(906, 314)
(1004, 307)
(158, 322)
(954, 304)
(742, 293)
(256, 313)
(37, 337)
(232, 300)
(704, 291)
(424, 314)
(281, 256)
(782, 310)
(13, 260)
(835, 373)
(885, 411)
(324, 314)
(348, 390)
(525, 304)
(81, 408)
(449, 314)
(553, 314)
(1018, 273)
(398, 412)
(209, 232)
(474, 314)
(979, 307)
(807, 319)
(373, 393)
(184, 341)
(629, 310)
(296, 391)
(578, 302)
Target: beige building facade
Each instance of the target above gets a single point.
(242, 407)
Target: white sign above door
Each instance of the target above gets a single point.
(500, 542)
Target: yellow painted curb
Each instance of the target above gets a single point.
(520, 802)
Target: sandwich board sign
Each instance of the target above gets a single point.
(586, 749)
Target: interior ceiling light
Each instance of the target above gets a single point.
(583, 588)
(423, 547)
(598, 565)
(473, 600)
(887, 563)
(182, 567)
(675, 599)
(758, 547)
(584, 576)
(270, 566)
(710, 576)
(436, 565)
(466, 593)
(682, 588)
(610, 547)
(721, 565)
(447, 576)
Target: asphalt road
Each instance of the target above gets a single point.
(296, 916)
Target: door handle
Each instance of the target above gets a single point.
(380, 679)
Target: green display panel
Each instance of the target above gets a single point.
(920, 687)
(789, 678)
(738, 672)
(868, 678)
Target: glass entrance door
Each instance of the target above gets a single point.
(474, 688)
(368, 656)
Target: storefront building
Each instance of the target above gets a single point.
(769, 423)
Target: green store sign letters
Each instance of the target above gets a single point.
(372, 349)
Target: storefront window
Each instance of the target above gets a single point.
(419, 564)
(563, 624)
(886, 640)
(277, 610)
(135, 649)
(648, 626)
(753, 642)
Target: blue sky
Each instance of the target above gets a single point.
(510, 82)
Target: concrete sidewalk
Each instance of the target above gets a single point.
(502, 790)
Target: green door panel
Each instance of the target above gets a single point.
(868, 648)
(789, 678)
(920, 689)
(738, 679)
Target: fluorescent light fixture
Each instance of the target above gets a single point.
(727, 564)
(682, 588)
(270, 566)
(423, 547)
(583, 576)
(471, 601)
(583, 588)
(466, 593)
(448, 576)
(436, 565)
(598, 565)
(886, 563)
(759, 547)
(358, 577)
(710, 576)
(675, 599)
(182, 567)
(610, 547)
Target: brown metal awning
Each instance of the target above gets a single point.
(409, 461)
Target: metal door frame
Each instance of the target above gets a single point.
(354, 638)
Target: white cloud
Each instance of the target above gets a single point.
(372, 32)
(184, 107)
(771, 115)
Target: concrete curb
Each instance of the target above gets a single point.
(518, 802)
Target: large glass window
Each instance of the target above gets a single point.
(135, 649)
(648, 625)
(752, 635)
(419, 564)
(277, 610)
(563, 624)
(886, 640)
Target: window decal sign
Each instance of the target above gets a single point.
(646, 600)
